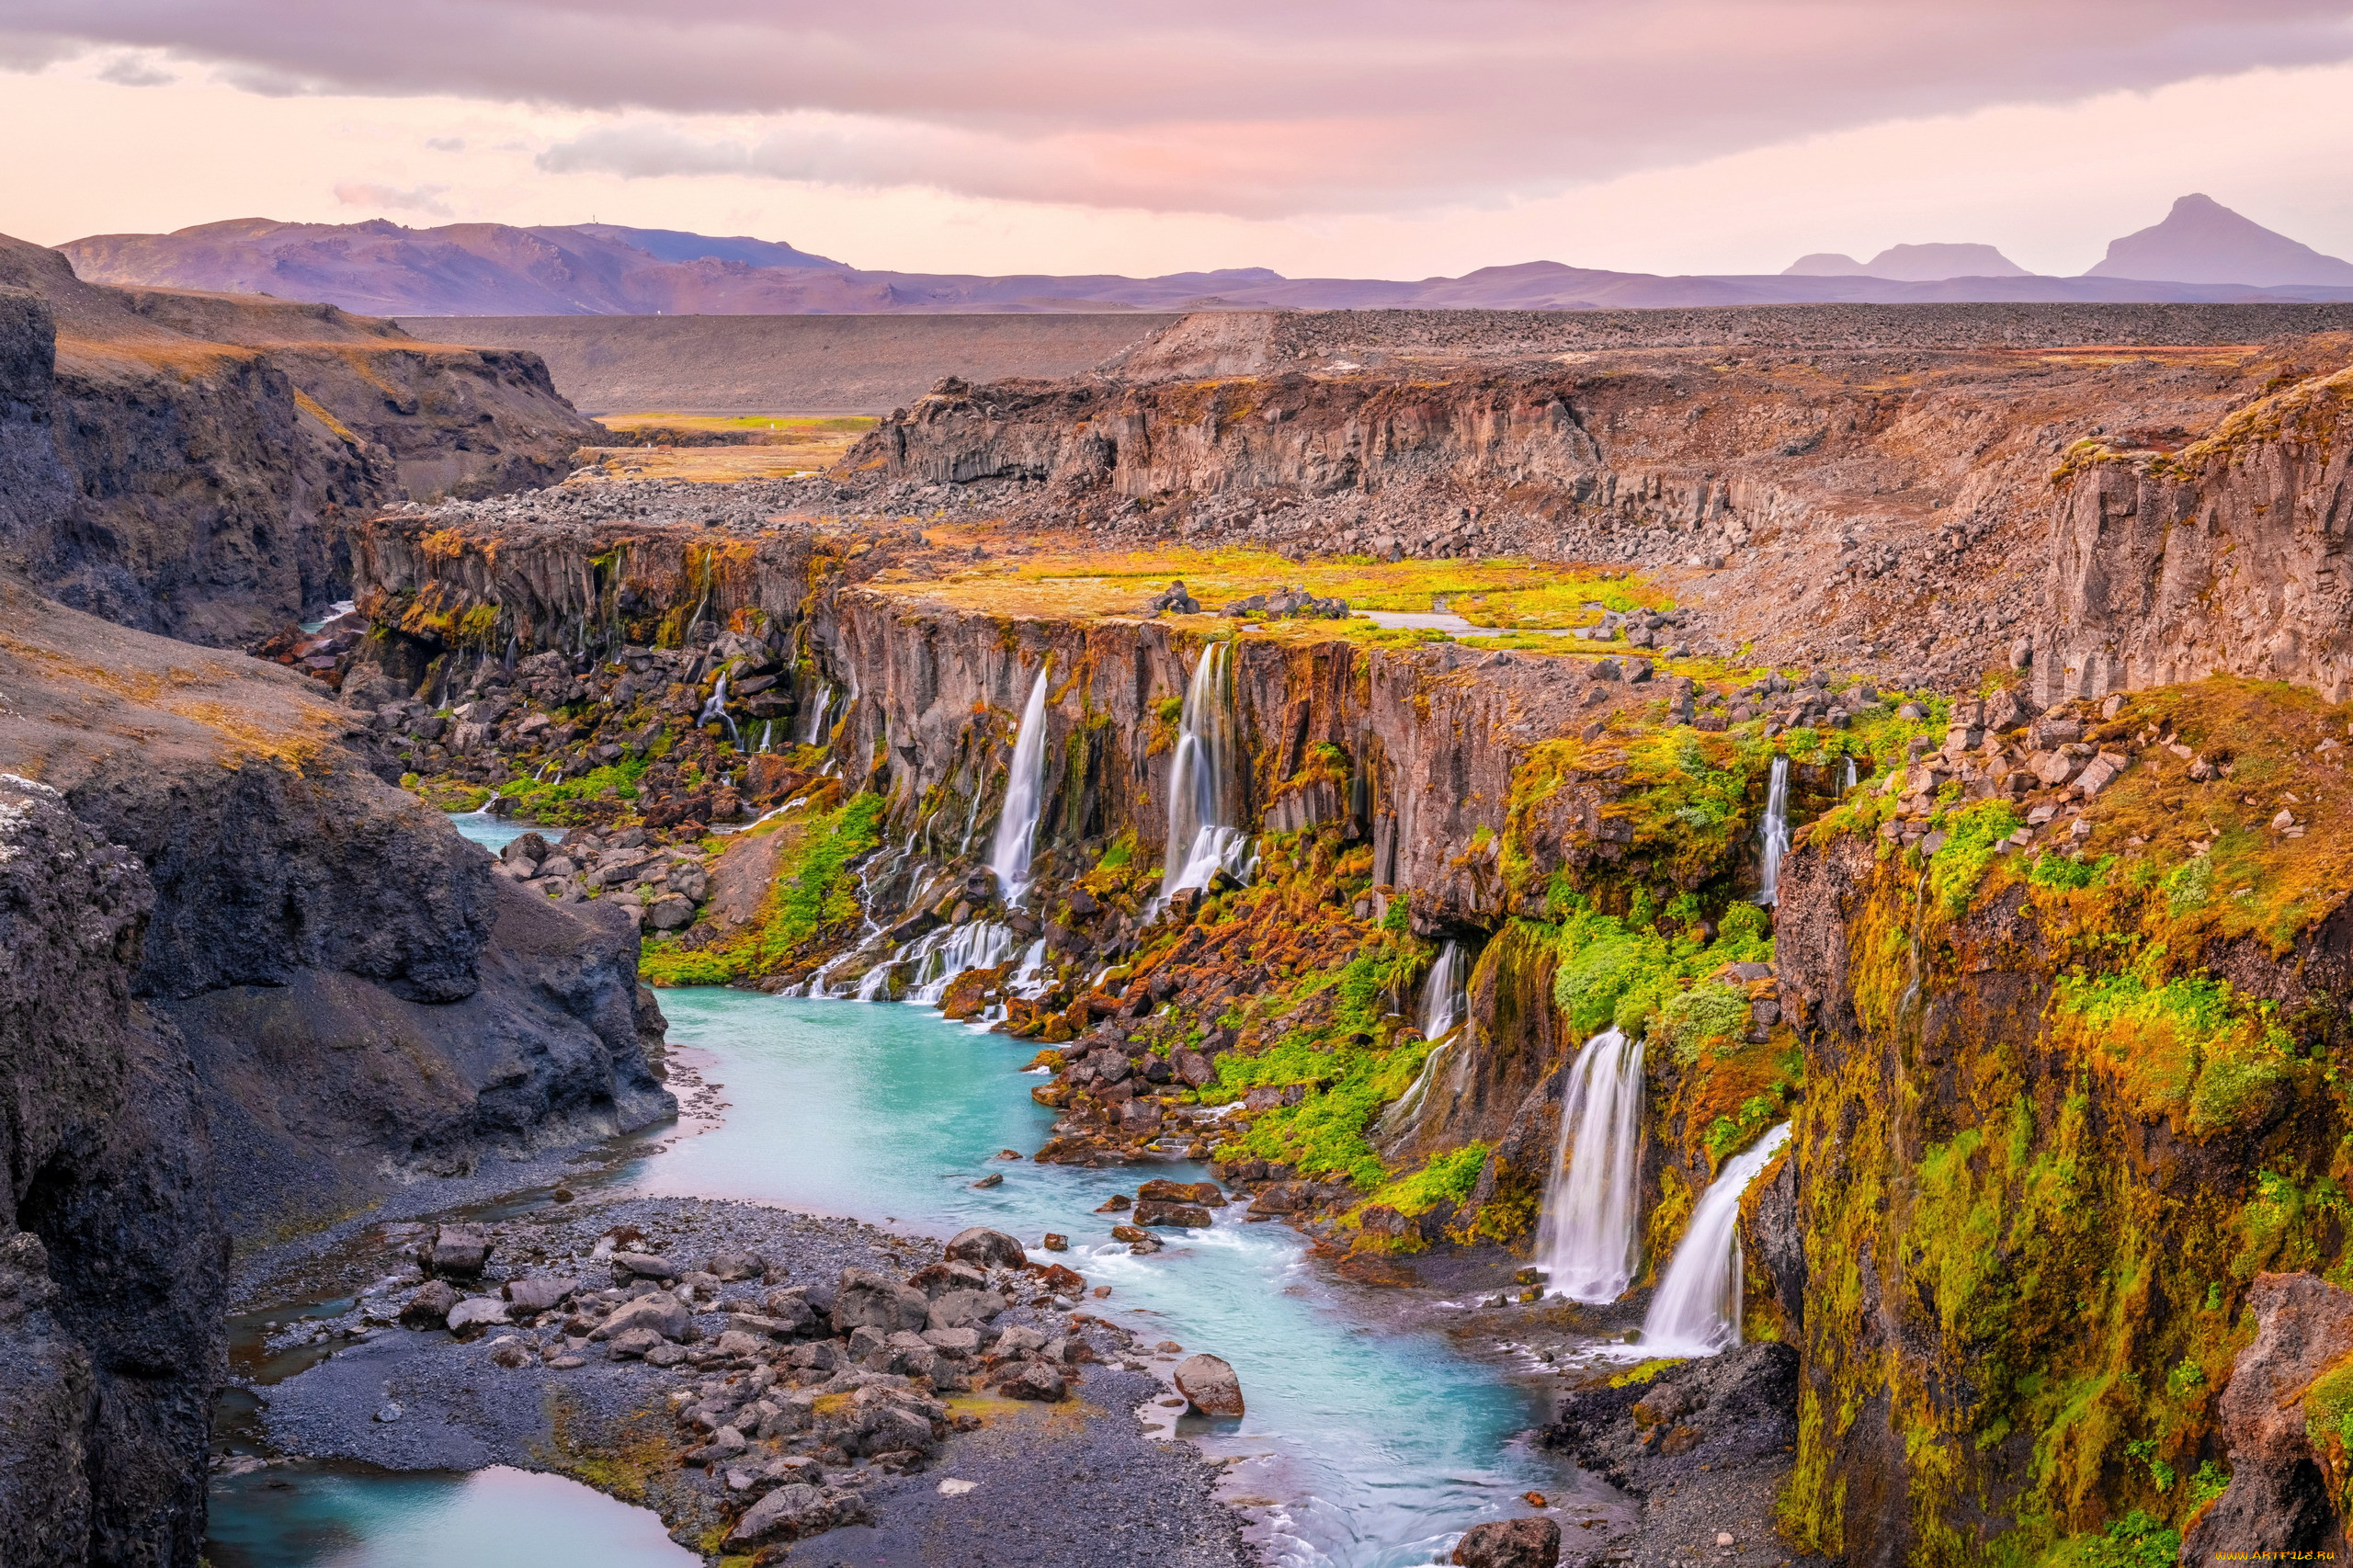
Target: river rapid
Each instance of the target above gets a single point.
(1369, 1442)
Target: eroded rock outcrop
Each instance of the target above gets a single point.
(2225, 556)
(112, 1250)
(362, 998)
(190, 458)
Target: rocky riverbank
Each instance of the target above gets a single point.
(757, 1377)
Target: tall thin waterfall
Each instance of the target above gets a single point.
(1587, 1241)
(1203, 838)
(1846, 775)
(817, 719)
(1445, 995)
(1697, 1309)
(1773, 833)
(1025, 792)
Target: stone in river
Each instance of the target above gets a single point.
(986, 1248)
(1153, 1211)
(1510, 1543)
(1210, 1386)
(429, 1308)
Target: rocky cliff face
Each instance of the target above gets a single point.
(2224, 556)
(112, 1250)
(363, 1001)
(1889, 508)
(204, 448)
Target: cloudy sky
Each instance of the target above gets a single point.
(1375, 138)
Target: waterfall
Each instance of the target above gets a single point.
(1697, 1309)
(768, 730)
(717, 709)
(1024, 792)
(1847, 775)
(817, 719)
(1587, 1243)
(1445, 995)
(1773, 833)
(1202, 839)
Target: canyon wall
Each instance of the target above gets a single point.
(2225, 556)
(204, 449)
(364, 1002)
(112, 1249)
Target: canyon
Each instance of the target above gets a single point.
(1915, 736)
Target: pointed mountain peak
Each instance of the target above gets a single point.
(2202, 241)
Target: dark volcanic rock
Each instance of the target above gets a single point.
(112, 1254)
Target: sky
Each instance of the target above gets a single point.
(1377, 138)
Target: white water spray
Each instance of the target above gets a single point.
(1445, 995)
(1587, 1243)
(1697, 1309)
(717, 709)
(1847, 775)
(1202, 839)
(1773, 833)
(817, 719)
(1025, 793)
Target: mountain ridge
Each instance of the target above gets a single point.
(378, 268)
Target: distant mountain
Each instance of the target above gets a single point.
(2202, 241)
(1911, 264)
(676, 245)
(493, 269)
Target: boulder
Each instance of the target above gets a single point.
(429, 1307)
(732, 1266)
(961, 1309)
(454, 1252)
(1209, 1385)
(768, 1327)
(670, 911)
(539, 1293)
(1018, 1340)
(790, 1307)
(985, 1248)
(643, 1266)
(795, 1510)
(1510, 1543)
(960, 1342)
(1153, 1211)
(661, 1312)
(1034, 1379)
(865, 1299)
(475, 1313)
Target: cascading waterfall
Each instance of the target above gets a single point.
(1202, 839)
(1697, 1309)
(1773, 833)
(1587, 1243)
(1445, 995)
(817, 719)
(1847, 775)
(767, 732)
(717, 709)
(1025, 793)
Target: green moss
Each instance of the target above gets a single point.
(2136, 1540)
(1612, 973)
(1708, 1014)
(814, 890)
(1973, 836)
(1448, 1178)
(2066, 873)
